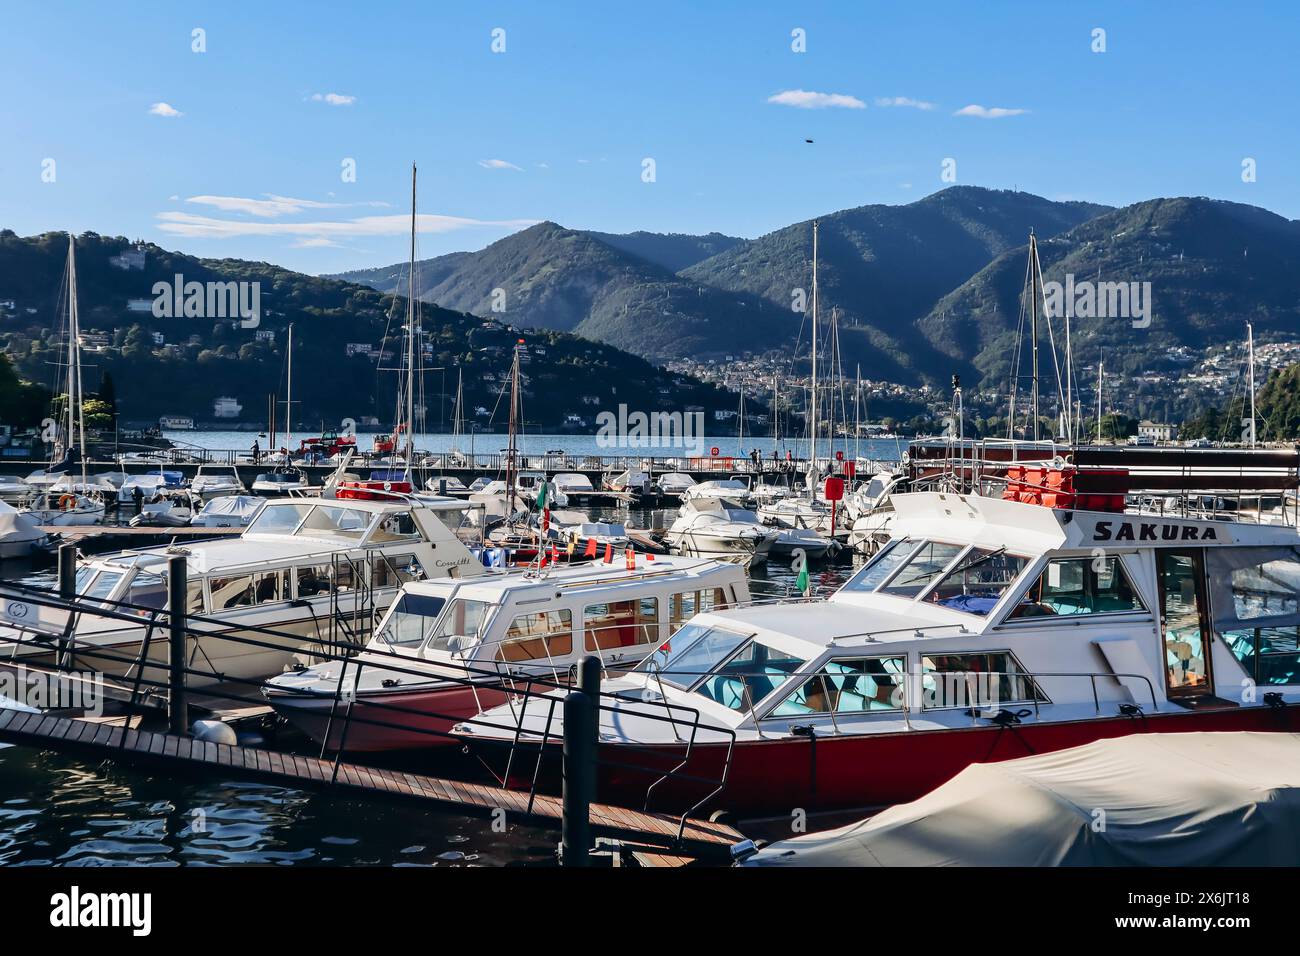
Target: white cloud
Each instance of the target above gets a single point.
(271, 206)
(988, 112)
(498, 164)
(318, 242)
(334, 99)
(164, 109)
(808, 100)
(206, 227)
(903, 101)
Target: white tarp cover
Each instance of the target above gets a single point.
(1196, 799)
(16, 526)
(239, 506)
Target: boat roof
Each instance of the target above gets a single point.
(589, 574)
(1031, 529)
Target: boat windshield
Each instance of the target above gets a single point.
(924, 565)
(880, 568)
(460, 627)
(694, 651)
(978, 581)
(279, 519)
(410, 619)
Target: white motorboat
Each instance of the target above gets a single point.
(446, 485)
(212, 481)
(448, 649)
(675, 483)
(66, 509)
(573, 485)
(19, 533)
(229, 511)
(987, 629)
(166, 509)
(577, 525)
(734, 489)
(14, 489)
(282, 481)
(150, 484)
(706, 527)
(793, 541)
(798, 513)
(299, 568)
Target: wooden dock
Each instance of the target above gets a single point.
(652, 832)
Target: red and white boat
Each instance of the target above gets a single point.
(444, 653)
(985, 629)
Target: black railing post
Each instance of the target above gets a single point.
(67, 592)
(177, 588)
(579, 776)
(67, 571)
(590, 671)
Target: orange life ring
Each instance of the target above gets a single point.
(67, 502)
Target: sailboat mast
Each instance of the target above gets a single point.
(1101, 379)
(76, 412)
(410, 341)
(511, 476)
(288, 392)
(812, 454)
(1250, 348)
(1034, 279)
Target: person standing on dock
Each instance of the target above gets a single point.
(137, 496)
(257, 452)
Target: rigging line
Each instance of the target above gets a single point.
(1017, 357)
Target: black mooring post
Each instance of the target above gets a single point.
(177, 706)
(67, 571)
(67, 592)
(590, 671)
(579, 774)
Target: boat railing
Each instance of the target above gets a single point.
(142, 677)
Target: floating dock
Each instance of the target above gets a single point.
(655, 839)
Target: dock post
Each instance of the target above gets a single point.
(67, 571)
(67, 592)
(177, 707)
(579, 779)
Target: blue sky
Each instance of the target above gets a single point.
(584, 92)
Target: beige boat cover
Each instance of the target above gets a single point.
(1197, 799)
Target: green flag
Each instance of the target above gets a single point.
(802, 583)
(541, 497)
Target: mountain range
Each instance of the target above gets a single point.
(918, 291)
(348, 340)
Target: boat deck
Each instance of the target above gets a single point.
(654, 832)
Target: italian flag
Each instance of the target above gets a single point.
(544, 508)
(802, 583)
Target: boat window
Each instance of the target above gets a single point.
(85, 574)
(279, 519)
(410, 619)
(711, 599)
(392, 570)
(925, 564)
(147, 590)
(194, 597)
(395, 527)
(1255, 597)
(978, 581)
(750, 676)
(691, 653)
(848, 687)
(888, 560)
(620, 624)
(332, 520)
(103, 585)
(681, 608)
(1070, 586)
(232, 592)
(985, 681)
(537, 636)
(271, 586)
(462, 619)
(313, 580)
(346, 571)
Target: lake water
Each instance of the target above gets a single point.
(57, 809)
